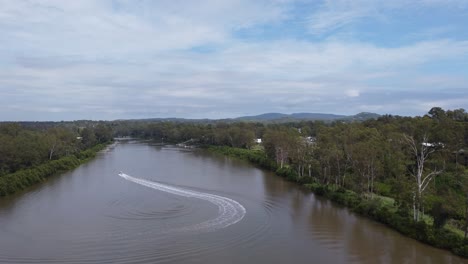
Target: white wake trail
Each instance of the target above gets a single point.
(229, 211)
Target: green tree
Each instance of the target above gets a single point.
(421, 150)
(366, 155)
(280, 143)
(88, 137)
(103, 133)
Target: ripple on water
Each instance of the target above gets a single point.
(137, 213)
(229, 211)
(143, 243)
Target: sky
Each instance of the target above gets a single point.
(125, 59)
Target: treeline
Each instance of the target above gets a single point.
(23, 147)
(235, 134)
(21, 179)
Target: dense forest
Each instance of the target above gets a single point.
(407, 172)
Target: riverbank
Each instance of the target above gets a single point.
(20, 180)
(378, 208)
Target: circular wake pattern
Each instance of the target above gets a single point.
(229, 211)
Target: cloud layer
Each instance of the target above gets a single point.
(62, 60)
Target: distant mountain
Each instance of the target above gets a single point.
(316, 116)
(170, 119)
(262, 117)
(278, 117)
(269, 117)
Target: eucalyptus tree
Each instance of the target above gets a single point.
(332, 153)
(281, 143)
(60, 142)
(303, 155)
(421, 150)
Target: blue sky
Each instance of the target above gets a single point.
(111, 59)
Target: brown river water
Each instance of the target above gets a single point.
(173, 205)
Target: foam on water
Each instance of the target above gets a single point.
(229, 211)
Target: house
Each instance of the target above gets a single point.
(433, 145)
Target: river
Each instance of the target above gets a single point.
(171, 205)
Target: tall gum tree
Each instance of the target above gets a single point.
(420, 151)
(281, 143)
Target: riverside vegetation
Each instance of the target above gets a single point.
(380, 208)
(406, 172)
(29, 155)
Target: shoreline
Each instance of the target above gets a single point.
(377, 208)
(23, 179)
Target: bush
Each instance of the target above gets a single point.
(289, 174)
(384, 214)
(422, 231)
(255, 156)
(440, 214)
(321, 190)
(368, 207)
(461, 251)
(305, 180)
(383, 189)
(445, 238)
(312, 186)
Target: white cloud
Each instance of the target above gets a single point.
(335, 14)
(101, 27)
(93, 59)
(353, 93)
(291, 75)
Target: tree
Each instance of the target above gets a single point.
(366, 156)
(302, 156)
(241, 137)
(280, 143)
(437, 113)
(331, 154)
(59, 141)
(420, 151)
(88, 137)
(103, 133)
(458, 115)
